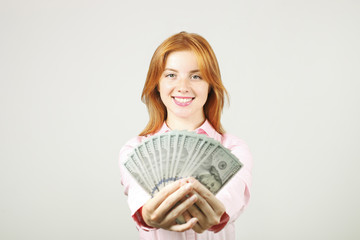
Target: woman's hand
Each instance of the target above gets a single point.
(167, 205)
(208, 209)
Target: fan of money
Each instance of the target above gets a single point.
(165, 158)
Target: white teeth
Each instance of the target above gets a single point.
(183, 100)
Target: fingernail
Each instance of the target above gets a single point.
(193, 198)
(188, 186)
(191, 180)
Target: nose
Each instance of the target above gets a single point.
(184, 85)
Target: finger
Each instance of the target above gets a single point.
(206, 215)
(175, 198)
(164, 193)
(182, 181)
(209, 197)
(187, 216)
(183, 227)
(170, 202)
(197, 228)
(181, 219)
(195, 212)
(204, 206)
(178, 210)
(154, 213)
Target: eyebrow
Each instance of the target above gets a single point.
(174, 70)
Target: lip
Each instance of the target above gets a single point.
(182, 104)
(181, 97)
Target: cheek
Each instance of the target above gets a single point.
(205, 88)
(205, 91)
(164, 88)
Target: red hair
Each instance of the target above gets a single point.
(210, 72)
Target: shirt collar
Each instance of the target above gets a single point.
(205, 128)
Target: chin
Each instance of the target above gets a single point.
(185, 114)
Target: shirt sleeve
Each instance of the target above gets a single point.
(223, 221)
(139, 220)
(235, 194)
(136, 195)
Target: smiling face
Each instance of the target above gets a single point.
(182, 89)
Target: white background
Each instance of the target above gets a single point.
(71, 75)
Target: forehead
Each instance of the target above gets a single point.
(182, 60)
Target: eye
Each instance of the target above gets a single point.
(196, 77)
(170, 75)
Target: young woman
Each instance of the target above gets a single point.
(184, 91)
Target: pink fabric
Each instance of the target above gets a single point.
(234, 195)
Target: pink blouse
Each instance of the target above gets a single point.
(234, 195)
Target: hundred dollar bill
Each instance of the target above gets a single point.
(164, 158)
(148, 169)
(164, 143)
(171, 157)
(179, 151)
(192, 148)
(203, 143)
(136, 170)
(204, 153)
(157, 160)
(199, 143)
(136, 173)
(187, 148)
(215, 170)
(152, 164)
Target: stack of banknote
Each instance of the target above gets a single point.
(164, 158)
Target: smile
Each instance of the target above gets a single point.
(183, 101)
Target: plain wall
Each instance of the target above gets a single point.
(71, 75)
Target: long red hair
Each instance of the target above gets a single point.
(209, 68)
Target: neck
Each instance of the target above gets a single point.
(184, 124)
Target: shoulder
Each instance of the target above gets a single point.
(129, 146)
(133, 142)
(239, 148)
(230, 141)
